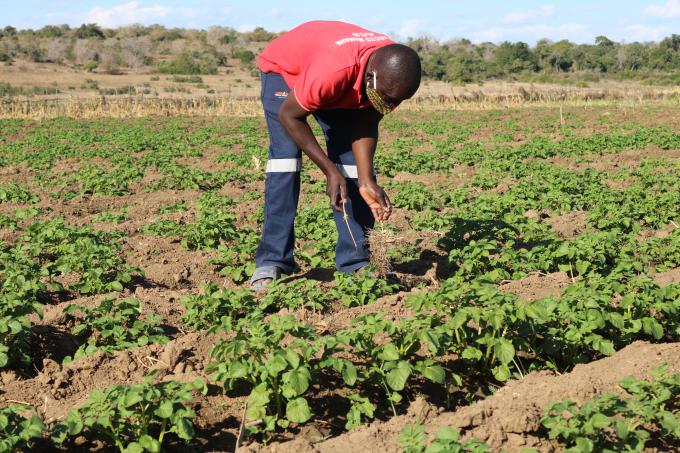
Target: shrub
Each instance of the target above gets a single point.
(190, 63)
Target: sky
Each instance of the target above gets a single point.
(579, 21)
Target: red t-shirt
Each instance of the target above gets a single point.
(323, 62)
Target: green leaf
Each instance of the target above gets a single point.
(581, 267)
(584, 445)
(501, 373)
(257, 401)
(185, 429)
(116, 286)
(276, 364)
(165, 409)
(389, 353)
(435, 373)
(504, 351)
(349, 373)
(133, 447)
(396, 378)
(149, 443)
(652, 327)
(599, 421)
(132, 398)
(297, 410)
(448, 434)
(606, 347)
(293, 358)
(471, 353)
(296, 382)
(74, 426)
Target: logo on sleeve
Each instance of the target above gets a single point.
(281, 94)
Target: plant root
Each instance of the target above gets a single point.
(380, 240)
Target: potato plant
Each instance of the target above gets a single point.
(612, 423)
(277, 376)
(114, 325)
(136, 418)
(16, 430)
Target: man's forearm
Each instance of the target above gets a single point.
(364, 151)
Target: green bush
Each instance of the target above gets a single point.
(190, 63)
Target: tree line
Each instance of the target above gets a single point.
(193, 51)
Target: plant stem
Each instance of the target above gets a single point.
(345, 217)
(389, 398)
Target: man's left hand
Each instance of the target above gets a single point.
(376, 199)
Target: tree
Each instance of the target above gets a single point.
(603, 41)
(9, 31)
(671, 43)
(245, 56)
(634, 56)
(465, 67)
(260, 35)
(135, 52)
(511, 58)
(53, 31)
(560, 57)
(86, 31)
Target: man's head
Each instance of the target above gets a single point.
(393, 74)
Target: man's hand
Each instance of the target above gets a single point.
(336, 188)
(377, 200)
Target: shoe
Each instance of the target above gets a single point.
(270, 273)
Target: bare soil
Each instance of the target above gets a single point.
(570, 224)
(537, 286)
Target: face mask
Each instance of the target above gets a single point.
(378, 102)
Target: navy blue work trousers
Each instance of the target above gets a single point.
(282, 186)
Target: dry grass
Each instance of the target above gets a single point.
(237, 94)
(380, 242)
(139, 106)
(127, 106)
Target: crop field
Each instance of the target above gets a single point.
(537, 304)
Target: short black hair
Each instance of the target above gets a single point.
(399, 66)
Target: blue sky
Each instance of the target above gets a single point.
(577, 20)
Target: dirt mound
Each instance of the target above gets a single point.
(668, 277)
(57, 388)
(537, 286)
(570, 224)
(510, 419)
(391, 307)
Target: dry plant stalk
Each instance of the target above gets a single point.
(380, 240)
(503, 95)
(345, 217)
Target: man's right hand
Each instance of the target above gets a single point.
(336, 188)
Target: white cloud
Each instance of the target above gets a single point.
(519, 17)
(641, 32)
(128, 13)
(670, 10)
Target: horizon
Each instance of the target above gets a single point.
(493, 21)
